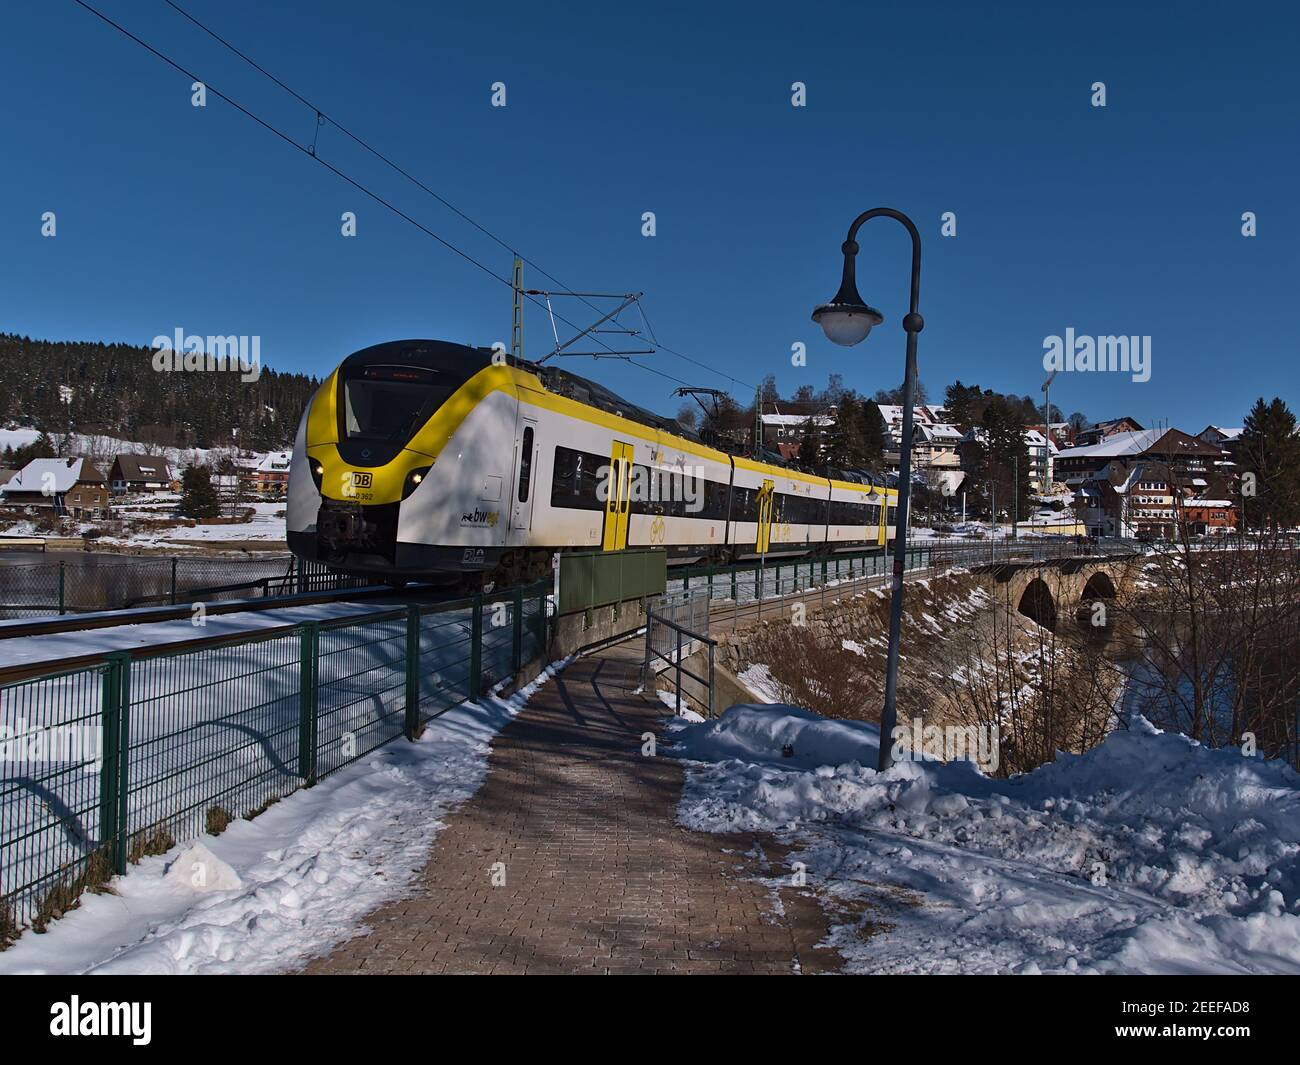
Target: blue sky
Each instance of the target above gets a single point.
(1117, 220)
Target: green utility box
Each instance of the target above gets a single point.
(590, 579)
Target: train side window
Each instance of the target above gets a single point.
(576, 479)
(526, 465)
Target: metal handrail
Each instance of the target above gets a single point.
(676, 662)
(10, 674)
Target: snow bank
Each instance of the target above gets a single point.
(1150, 853)
(302, 875)
(762, 734)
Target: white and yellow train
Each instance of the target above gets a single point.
(422, 459)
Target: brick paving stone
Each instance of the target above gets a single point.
(599, 877)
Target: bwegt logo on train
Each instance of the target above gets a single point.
(644, 485)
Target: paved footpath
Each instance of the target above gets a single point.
(599, 877)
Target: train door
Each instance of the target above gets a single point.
(617, 502)
(521, 508)
(766, 497)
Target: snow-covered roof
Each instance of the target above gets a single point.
(944, 432)
(275, 462)
(921, 413)
(797, 419)
(1132, 443)
(1226, 434)
(143, 468)
(1032, 437)
(49, 476)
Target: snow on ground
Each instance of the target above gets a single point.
(1148, 854)
(684, 711)
(16, 438)
(267, 523)
(760, 682)
(301, 876)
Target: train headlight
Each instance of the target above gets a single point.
(414, 480)
(317, 472)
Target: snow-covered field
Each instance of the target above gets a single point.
(1148, 854)
(270, 893)
(267, 524)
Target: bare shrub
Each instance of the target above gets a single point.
(813, 674)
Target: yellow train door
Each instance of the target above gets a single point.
(766, 497)
(617, 502)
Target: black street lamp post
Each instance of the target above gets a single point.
(846, 320)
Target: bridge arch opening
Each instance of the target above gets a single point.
(1094, 612)
(1099, 586)
(1037, 604)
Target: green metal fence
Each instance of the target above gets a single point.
(103, 765)
(774, 576)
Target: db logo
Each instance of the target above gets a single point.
(361, 480)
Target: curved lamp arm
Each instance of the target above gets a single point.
(848, 284)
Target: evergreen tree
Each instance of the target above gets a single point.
(198, 495)
(71, 386)
(875, 436)
(964, 405)
(1270, 454)
(809, 447)
(1006, 460)
(845, 449)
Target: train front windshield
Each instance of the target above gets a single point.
(390, 402)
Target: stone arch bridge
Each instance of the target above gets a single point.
(1050, 591)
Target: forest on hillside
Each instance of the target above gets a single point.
(93, 387)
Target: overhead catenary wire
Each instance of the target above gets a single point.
(359, 186)
(322, 115)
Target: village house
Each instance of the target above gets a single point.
(1101, 431)
(1185, 454)
(934, 447)
(270, 477)
(1151, 488)
(140, 473)
(72, 487)
(1228, 441)
(922, 414)
(1062, 433)
(784, 432)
